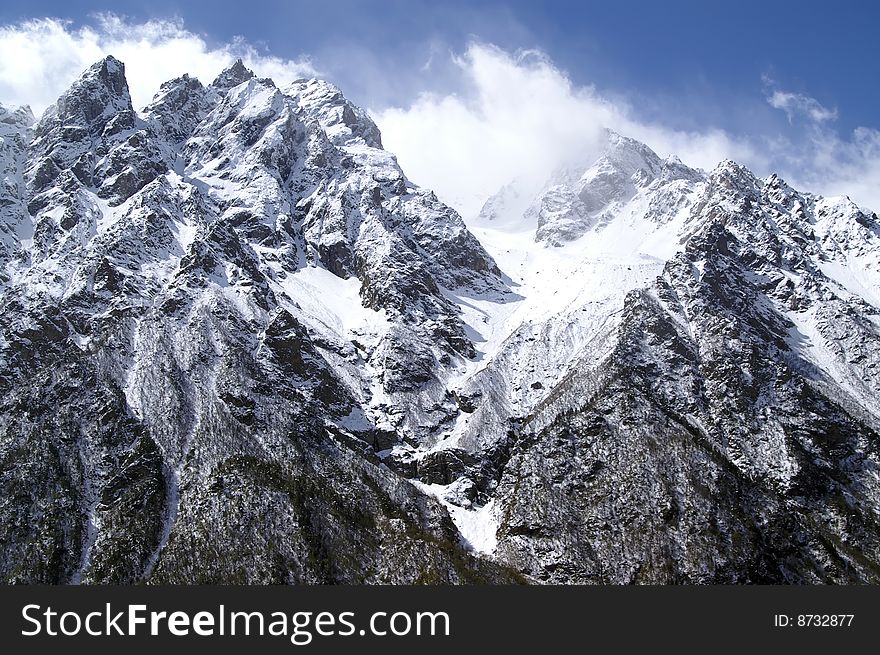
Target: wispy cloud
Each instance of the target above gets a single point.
(42, 57)
(797, 105)
(794, 104)
(820, 158)
(516, 115)
(824, 161)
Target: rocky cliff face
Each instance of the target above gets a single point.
(238, 345)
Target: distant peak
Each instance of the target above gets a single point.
(620, 143)
(616, 140)
(773, 181)
(238, 67)
(611, 135)
(21, 117)
(317, 84)
(233, 76)
(182, 82)
(733, 175)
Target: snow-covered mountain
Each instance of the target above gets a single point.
(239, 345)
(693, 377)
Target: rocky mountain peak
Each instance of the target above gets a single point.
(93, 134)
(99, 96)
(733, 175)
(629, 155)
(340, 119)
(177, 108)
(577, 200)
(174, 94)
(232, 76)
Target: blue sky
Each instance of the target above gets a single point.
(669, 51)
(802, 76)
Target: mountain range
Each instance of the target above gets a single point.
(239, 345)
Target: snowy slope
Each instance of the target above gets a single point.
(569, 298)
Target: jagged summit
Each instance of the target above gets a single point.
(236, 74)
(177, 109)
(91, 137)
(582, 197)
(100, 94)
(339, 118)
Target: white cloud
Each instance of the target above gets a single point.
(519, 116)
(822, 160)
(42, 57)
(794, 104)
(515, 119)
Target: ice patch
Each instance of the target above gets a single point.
(477, 526)
(333, 302)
